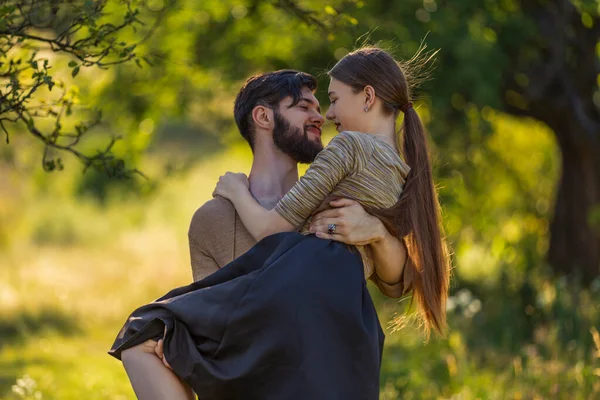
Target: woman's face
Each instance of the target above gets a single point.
(347, 108)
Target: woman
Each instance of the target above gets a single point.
(265, 326)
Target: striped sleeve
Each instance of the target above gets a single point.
(333, 163)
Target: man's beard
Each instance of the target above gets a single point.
(293, 142)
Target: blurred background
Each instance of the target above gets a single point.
(94, 209)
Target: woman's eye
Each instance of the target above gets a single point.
(333, 101)
(304, 108)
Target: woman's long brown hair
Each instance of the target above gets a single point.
(416, 216)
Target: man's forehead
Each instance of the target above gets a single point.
(306, 94)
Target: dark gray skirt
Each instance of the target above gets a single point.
(290, 319)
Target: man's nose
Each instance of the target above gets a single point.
(318, 119)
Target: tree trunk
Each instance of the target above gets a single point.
(560, 87)
(574, 242)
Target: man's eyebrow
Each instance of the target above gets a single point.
(330, 93)
(306, 99)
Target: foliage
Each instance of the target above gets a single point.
(35, 36)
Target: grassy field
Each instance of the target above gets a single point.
(72, 269)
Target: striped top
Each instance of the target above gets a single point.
(353, 165)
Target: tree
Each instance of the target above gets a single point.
(86, 32)
(554, 78)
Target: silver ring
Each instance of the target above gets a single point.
(331, 228)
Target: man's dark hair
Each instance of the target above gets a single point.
(268, 90)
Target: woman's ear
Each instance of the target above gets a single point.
(263, 117)
(369, 97)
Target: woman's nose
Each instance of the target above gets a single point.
(330, 115)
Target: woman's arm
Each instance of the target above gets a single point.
(259, 221)
(343, 155)
(389, 257)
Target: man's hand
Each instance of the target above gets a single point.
(357, 227)
(230, 185)
(354, 225)
(160, 352)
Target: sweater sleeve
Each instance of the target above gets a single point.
(336, 161)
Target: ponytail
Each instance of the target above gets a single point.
(418, 218)
(415, 218)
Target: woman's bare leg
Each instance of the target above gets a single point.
(150, 378)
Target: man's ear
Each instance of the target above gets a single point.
(263, 117)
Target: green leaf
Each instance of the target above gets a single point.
(75, 72)
(72, 64)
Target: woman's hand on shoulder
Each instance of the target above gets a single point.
(353, 225)
(231, 185)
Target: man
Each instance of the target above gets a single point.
(293, 135)
(279, 116)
